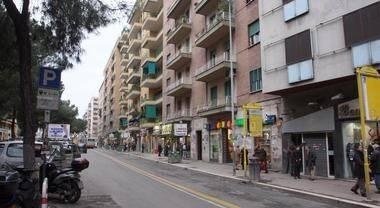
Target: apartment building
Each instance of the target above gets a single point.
(109, 94)
(92, 118)
(309, 52)
(144, 78)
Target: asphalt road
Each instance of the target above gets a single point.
(133, 182)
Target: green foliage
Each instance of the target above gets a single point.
(78, 125)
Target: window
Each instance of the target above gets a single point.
(15, 150)
(227, 89)
(1, 148)
(366, 53)
(167, 110)
(362, 25)
(214, 95)
(294, 8)
(300, 71)
(298, 48)
(255, 80)
(168, 81)
(248, 1)
(212, 57)
(254, 33)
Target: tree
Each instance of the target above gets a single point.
(78, 125)
(62, 27)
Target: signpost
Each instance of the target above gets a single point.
(368, 80)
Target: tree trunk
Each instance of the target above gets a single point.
(13, 126)
(21, 23)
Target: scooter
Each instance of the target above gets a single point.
(64, 184)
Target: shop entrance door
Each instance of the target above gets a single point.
(199, 145)
(331, 156)
(226, 146)
(318, 144)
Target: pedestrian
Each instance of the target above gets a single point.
(359, 170)
(261, 156)
(244, 152)
(311, 159)
(142, 148)
(237, 157)
(290, 164)
(375, 165)
(297, 161)
(159, 150)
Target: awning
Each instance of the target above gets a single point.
(320, 121)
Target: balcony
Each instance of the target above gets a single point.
(133, 111)
(135, 30)
(214, 69)
(181, 59)
(124, 48)
(136, 12)
(205, 7)
(134, 61)
(124, 34)
(149, 122)
(214, 31)
(214, 107)
(153, 21)
(152, 80)
(134, 46)
(133, 76)
(177, 8)
(124, 60)
(152, 42)
(181, 30)
(180, 115)
(152, 6)
(179, 87)
(123, 114)
(123, 101)
(133, 126)
(156, 100)
(133, 92)
(123, 88)
(123, 74)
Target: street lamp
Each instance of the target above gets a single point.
(232, 85)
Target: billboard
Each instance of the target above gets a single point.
(59, 131)
(180, 129)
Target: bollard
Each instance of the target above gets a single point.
(44, 198)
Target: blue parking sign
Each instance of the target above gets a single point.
(50, 78)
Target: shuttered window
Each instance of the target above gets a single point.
(254, 33)
(214, 96)
(227, 88)
(298, 48)
(362, 25)
(151, 111)
(255, 80)
(295, 8)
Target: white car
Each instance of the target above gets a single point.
(11, 152)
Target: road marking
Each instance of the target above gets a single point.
(199, 195)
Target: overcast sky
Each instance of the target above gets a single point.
(83, 81)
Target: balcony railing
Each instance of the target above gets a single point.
(179, 114)
(151, 76)
(150, 120)
(225, 57)
(178, 53)
(183, 80)
(220, 17)
(178, 24)
(215, 103)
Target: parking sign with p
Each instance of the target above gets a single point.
(50, 78)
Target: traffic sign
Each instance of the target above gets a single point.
(50, 78)
(47, 99)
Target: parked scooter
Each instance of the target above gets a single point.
(64, 184)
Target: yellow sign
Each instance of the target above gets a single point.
(166, 129)
(371, 93)
(256, 125)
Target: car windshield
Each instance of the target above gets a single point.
(15, 150)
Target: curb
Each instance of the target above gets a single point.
(311, 194)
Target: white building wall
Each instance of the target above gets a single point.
(324, 19)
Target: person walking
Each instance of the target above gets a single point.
(290, 155)
(311, 159)
(261, 155)
(297, 161)
(159, 150)
(242, 158)
(375, 165)
(237, 157)
(359, 170)
(142, 148)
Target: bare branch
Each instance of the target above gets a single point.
(12, 10)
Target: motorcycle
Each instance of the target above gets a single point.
(64, 184)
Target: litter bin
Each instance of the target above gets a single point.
(8, 185)
(254, 169)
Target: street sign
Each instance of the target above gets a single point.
(49, 78)
(47, 99)
(180, 129)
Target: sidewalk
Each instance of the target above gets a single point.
(332, 189)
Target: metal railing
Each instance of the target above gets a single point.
(133, 88)
(215, 103)
(150, 120)
(220, 17)
(183, 80)
(151, 76)
(181, 21)
(178, 53)
(213, 62)
(179, 114)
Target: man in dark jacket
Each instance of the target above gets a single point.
(297, 161)
(311, 159)
(359, 171)
(375, 166)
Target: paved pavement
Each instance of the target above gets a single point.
(339, 189)
(129, 181)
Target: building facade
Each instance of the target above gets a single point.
(92, 118)
(309, 52)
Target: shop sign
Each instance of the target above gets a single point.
(156, 130)
(349, 109)
(256, 125)
(269, 119)
(166, 129)
(180, 129)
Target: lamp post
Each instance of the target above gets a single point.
(232, 85)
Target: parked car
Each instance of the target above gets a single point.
(11, 152)
(92, 143)
(82, 147)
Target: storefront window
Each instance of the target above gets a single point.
(214, 147)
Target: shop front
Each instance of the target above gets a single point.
(220, 139)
